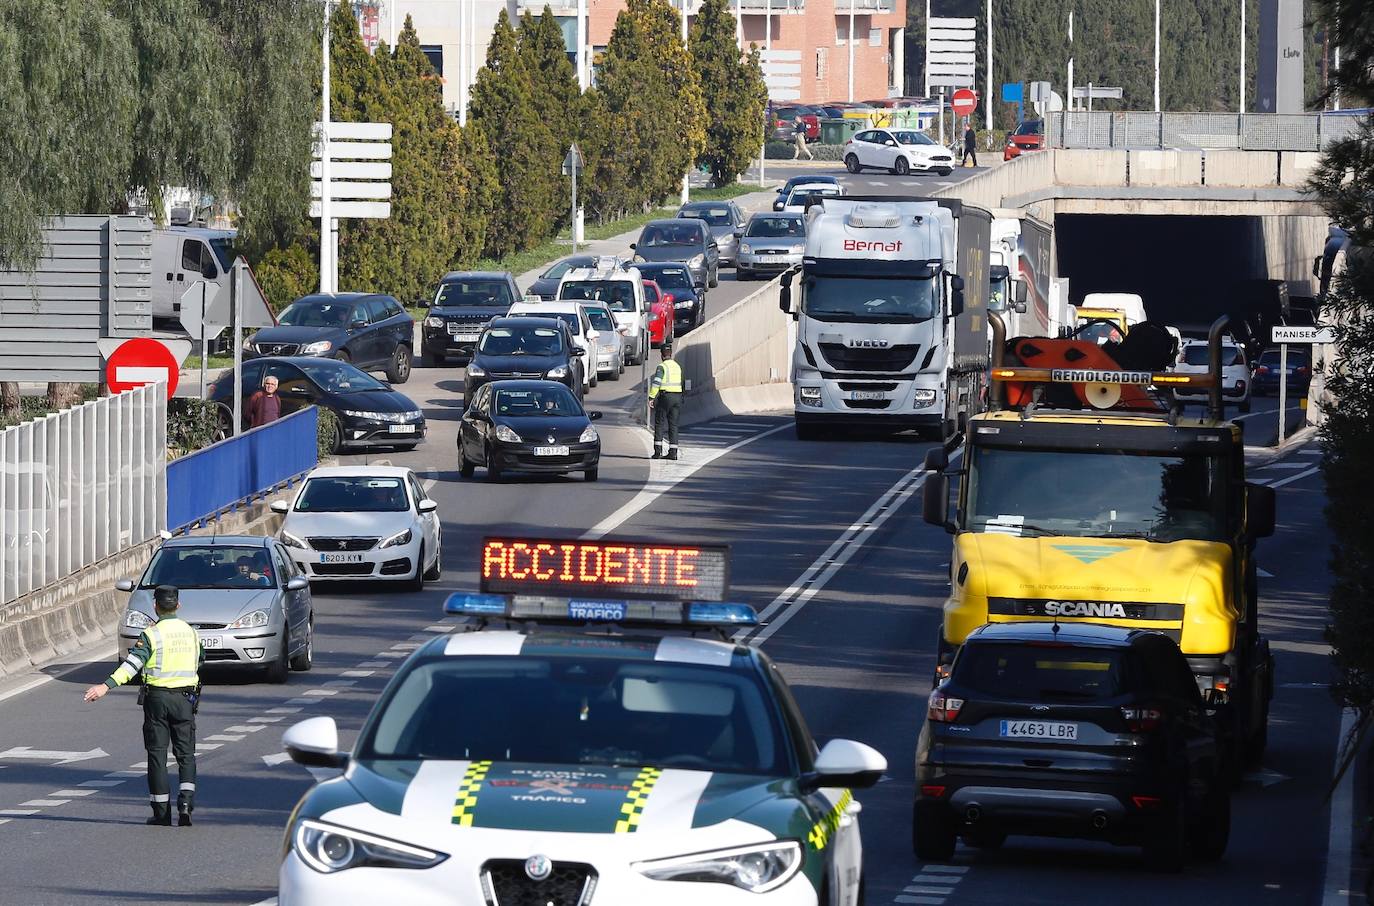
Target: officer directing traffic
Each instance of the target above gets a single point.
(665, 394)
(169, 655)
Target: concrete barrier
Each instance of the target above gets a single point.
(1165, 168)
(84, 608)
(1027, 173)
(739, 361)
(1242, 168)
(1295, 167)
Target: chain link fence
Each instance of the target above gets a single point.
(1190, 131)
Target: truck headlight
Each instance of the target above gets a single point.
(757, 869)
(137, 619)
(923, 396)
(809, 396)
(319, 347)
(399, 538)
(328, 848)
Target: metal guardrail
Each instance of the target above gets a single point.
(81, 485)
(209, 481)
(1187, 131)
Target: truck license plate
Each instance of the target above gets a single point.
(341, 558)
(867, 395)
(1053, 730)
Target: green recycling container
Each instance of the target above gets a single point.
(839, 131)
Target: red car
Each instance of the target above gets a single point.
(784, 117)
(1029, 136)
(660, 315)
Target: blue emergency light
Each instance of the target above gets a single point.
(582, 610)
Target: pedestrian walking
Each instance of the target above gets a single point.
(970, 147)
(169, 656)
(799, 140)
(665, 395)
(264, 406)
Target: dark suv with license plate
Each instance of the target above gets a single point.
(1084, 731)
(465, 302)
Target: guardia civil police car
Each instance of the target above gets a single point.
(562, 752)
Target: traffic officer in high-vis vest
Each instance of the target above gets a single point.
(169, 655)
(665, 393)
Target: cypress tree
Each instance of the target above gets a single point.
(557, 99)
(734, 127)
(502, 104)
(479, 189)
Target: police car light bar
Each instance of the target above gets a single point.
(1099, 376)
(580, 611)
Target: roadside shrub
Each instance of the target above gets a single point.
(192, 424)
(324, 434)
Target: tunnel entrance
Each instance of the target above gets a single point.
(1188, 269)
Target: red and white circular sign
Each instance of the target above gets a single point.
(964, 101)
(141, 361)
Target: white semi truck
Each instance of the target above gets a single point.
(891, 311)
(1025, 293)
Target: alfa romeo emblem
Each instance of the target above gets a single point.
(538, 867)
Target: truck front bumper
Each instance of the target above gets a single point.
(913, 402)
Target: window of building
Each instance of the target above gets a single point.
(821, 61)
(436, 57)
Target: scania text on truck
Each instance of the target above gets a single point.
(1086, 496)
(891, 330)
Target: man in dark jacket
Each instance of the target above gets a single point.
(264, 406)
(970, 146)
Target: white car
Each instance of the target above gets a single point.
(797, 198)
(898, 151)
(554, 763)
(1235, 372)
(610, 347)
(584, 335)
(363, 522)
(621, 287)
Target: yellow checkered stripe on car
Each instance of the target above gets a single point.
(467, 792)
(829, 823)
(635, 799)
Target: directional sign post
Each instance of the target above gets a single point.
(1302, 336)
(351, 178)
(198, 297)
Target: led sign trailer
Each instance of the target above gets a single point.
(619, 570)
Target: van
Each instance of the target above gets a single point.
(183, 255)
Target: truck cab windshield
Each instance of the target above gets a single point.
(889, 300)
(1099, 494)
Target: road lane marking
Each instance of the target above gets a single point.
(1263, 573)
(267, 720)
(71, 794)
(1298, 477)
(1286, 465)
(129, 773)
(828, 564)
(244, 728)
(18, 812)
(373, 665)
(45, 803)
(224, 737)
(359, 673)
(100, 783)
(283, 710)
(1336, 889)
(35, 683)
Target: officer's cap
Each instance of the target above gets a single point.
(166, 597)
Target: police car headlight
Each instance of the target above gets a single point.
(397, 539)
(588, 435)
(328, 848)
(506, 433)
(137, 619)
(291, 540)
(757, 869)
(250, 620)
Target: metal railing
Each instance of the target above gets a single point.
(1219, 131)
(776, 6)
(236, 469)
(80, 485)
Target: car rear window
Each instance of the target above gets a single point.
(1271, 358)
(1196, 354)
(1044, 673)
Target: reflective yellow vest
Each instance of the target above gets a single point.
(175, 657)
(667, 378)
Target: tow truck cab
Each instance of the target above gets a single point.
(1118, 511)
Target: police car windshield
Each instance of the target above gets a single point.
(209, 566)
(346, 494)
(1099, 494)
(888, 300)
(580, 710)
(618, 294)
(473, 294)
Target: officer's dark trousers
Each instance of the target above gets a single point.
(167, 718)
(667, 411)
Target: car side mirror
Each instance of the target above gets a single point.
(357, 324)
(594, 416)
(1259, 510)
(956, 296)
(297, 583)
(634, 245)
(935, 502)
(426, 506)
(124, 585)
(739, 234)
(779, 204)
(1020, 293)
(315, 743)
(845, 763)
(281, 506)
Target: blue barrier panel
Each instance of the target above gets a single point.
(209, 480)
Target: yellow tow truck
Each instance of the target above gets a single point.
(1085, 495)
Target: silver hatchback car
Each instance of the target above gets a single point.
(770, 244)
(244, 596)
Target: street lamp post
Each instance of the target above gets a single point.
(1157, 2)
(851, 51)
(582, 44)
(1242, 56)
(987, 102)
(326, 222)
(687, 175)
(767, 54)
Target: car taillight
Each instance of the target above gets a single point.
(1142, 720)
(943, 708)
(932, 790)
(1300, 371)
(1263, 369)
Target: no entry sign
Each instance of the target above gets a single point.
(141, 361)
(964, 101)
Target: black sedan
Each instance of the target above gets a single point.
(688, 299)
(368, 330)
(370, 413)
(525, 348)
(527, 426)
(546, 287)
